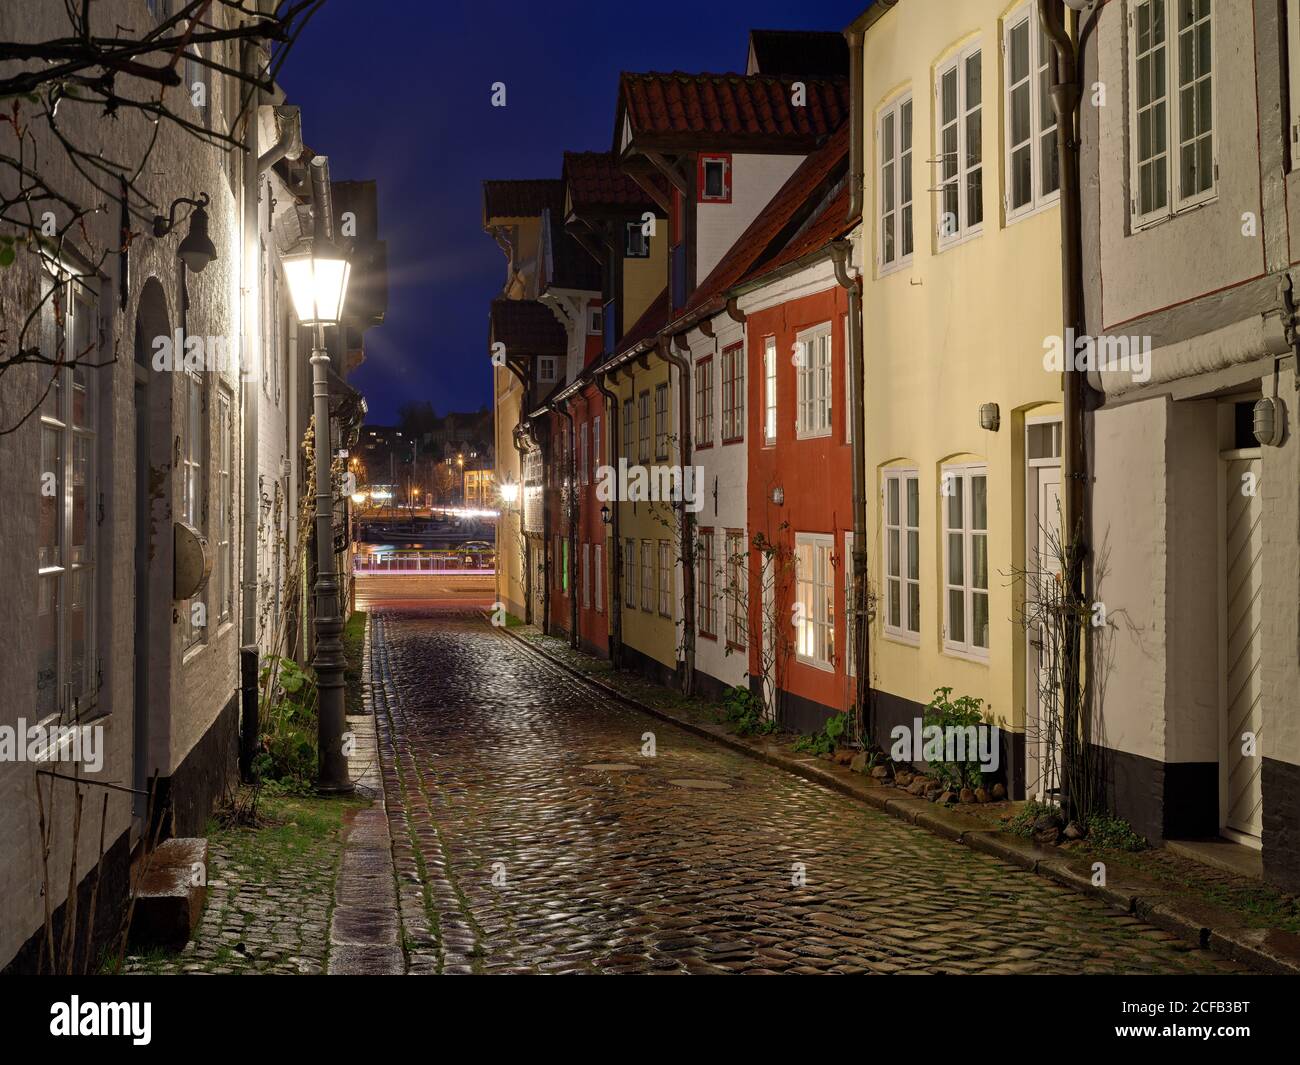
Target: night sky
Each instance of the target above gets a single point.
(399, 91)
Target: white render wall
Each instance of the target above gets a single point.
(755, 180)
(188, 692)
(725, 466)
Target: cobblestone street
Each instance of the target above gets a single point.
(531, 834)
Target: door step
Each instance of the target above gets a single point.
(1221, 854)
(170, 886)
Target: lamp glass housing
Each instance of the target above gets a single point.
(318, 283)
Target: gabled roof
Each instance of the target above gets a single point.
(594, 182)
(784, 220)
(527, 327)
(520, 199)
(727, 109)
(569, 264)
(809, 53)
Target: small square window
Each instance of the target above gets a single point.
(595, 321)
(546, 369)
(715, 179)
(637, 245)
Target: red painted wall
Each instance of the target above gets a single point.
(816, 476)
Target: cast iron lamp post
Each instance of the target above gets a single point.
(318, 274)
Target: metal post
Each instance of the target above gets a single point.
(332, 765)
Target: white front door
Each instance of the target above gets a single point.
(1044, 650)
(1240, 616)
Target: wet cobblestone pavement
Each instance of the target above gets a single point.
(531, 834)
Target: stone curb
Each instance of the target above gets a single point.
(1211, 927)
(365, 925)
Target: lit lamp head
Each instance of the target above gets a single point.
(510, 492)
(318, 273)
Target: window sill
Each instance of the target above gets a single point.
(734, 440)
(819, 435)
(704, 447)
(907, 639)
(1141, 225)
(825, 667)
(980, 658)
(948, 243)
(707, 636)
(736, 646)
(898, 266)
(1022, 213)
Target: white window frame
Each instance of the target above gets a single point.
(733, 393)
(643, 426)
(224, 533)
(964, 474)
(850, 649)
(895, 181)
(815, 590)
(704, 402)
(647, 576)
(598, 572)
(1175, 200)
(194, 450)
(965, 230)
(769, 388)
(597, 444)
(629, 428)
(586, 576)
(900, 629)
(70, 575)
(630, 573)
(595, 321)
(737, 579)
(546, 369)
(814, 387)
(706, 600)
(664, 579)
(1039, 61)
(661, 422)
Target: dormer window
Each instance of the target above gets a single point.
(715, 178)
(636, 244)
(595, 321)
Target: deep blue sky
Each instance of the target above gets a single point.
(399, 91)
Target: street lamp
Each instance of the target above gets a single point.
(317, 273)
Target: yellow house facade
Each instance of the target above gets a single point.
(961, 292)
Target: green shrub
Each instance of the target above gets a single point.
(1023, 823)
(744, 712)
(963, 712)
(1112, 833)
(287, 760)
(826, 739)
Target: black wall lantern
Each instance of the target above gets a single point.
(197, 249)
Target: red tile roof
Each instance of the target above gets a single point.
(830, 223)
(731, 108)
(521, 199)
(778, 225)
(593, 181)
(527, 327)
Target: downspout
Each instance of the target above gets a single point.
(523, 536)
(688, 541)
(250, 400)
(547, 571)
(573, 511)
(616, 583)
(855, 34)
(841, 250)
(1066, 95)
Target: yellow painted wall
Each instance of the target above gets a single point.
(957, 328)
(649, 632)
(643, 279)
(509, 559)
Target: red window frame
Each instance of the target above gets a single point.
(714, 157)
